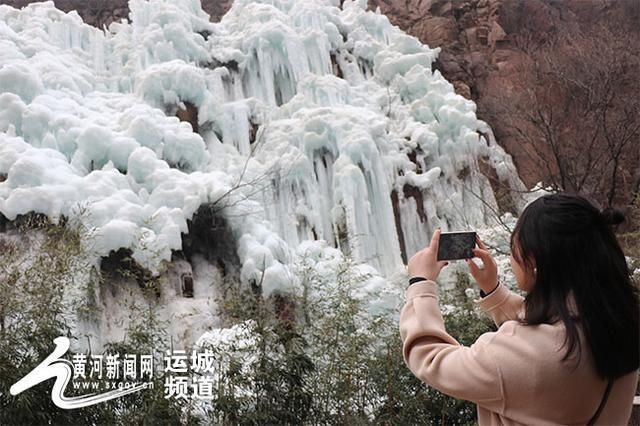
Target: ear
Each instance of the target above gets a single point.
(530, 266)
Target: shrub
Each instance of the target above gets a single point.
(35, 271)
(339, 364)
(328, 361)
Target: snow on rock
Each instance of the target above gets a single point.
(314, 122)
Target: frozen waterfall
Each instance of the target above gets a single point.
(302, 120)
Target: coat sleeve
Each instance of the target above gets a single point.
(437, 359)
(502, 305)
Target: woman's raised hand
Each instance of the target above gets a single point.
(487, 276)
(425, 262)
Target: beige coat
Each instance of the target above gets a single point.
(515, 375)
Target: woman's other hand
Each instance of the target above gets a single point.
(425, 262)
(487, 276)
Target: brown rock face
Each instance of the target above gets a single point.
(553, 78)
(478, 37)
(101, 13)
(468, 33)
(216, 9)
(98, 13)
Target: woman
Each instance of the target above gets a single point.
(567, 353)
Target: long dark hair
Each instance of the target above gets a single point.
(575, 251)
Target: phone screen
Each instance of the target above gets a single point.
(456, 245)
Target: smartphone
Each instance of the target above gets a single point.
(456, 245)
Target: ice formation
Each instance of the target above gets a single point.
(316, 120)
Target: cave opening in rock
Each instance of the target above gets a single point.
(211, 237)
(188, 113)
(187, 285)
(119, 265)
